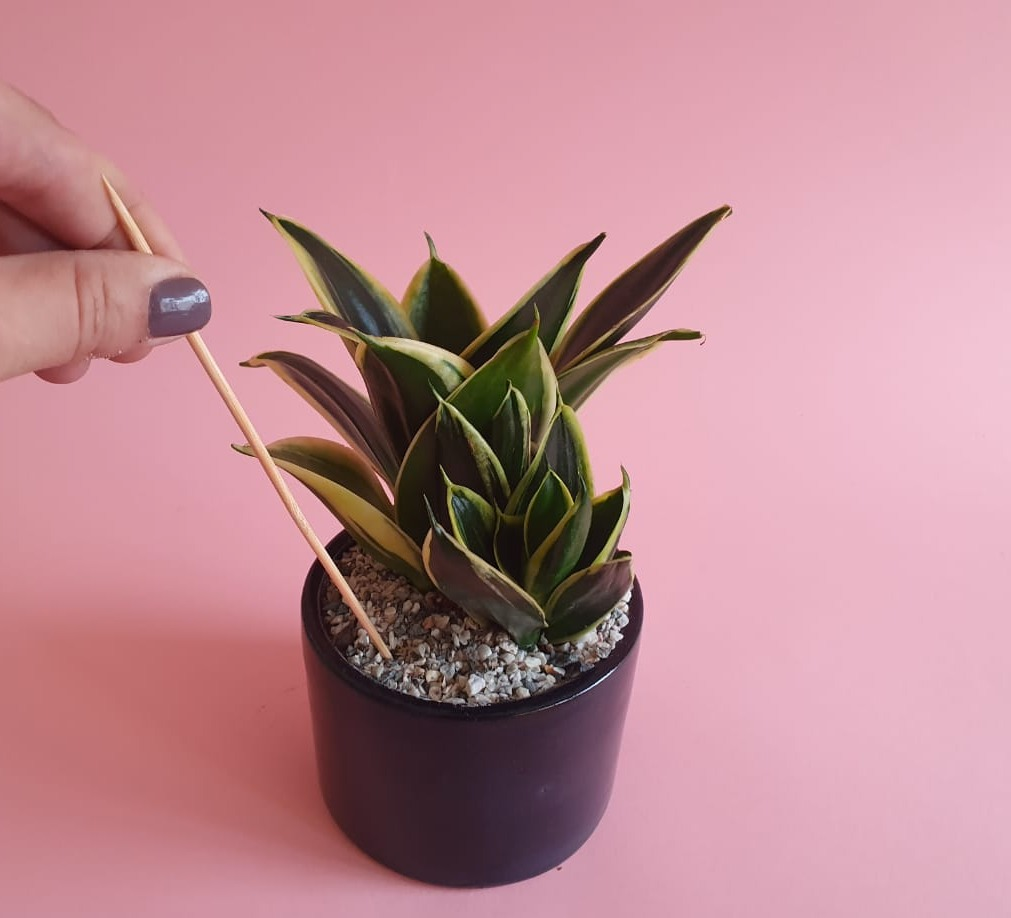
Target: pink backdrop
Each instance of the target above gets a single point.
(821, 493)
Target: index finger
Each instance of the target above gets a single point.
(49, 176)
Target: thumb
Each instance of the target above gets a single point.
(57, 308)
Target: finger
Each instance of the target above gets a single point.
(19, 236)
(50, 177)
(68, 373)
(71, 372)
(134, 353)
(58, 308)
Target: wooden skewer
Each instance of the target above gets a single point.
(138, 241)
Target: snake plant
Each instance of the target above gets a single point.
(465, 468)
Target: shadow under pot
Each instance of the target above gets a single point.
(458, 795)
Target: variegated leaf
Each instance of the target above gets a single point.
(581, 380)
(341, 286)
(562, 449)
(617, 309)
(466, 456)
(346, 485)
(404, 377)
(440, 306)
(580, 602)
(554, 558)
(344, 408)
(551, 298)
(480, 589)
(510, 435)
(510, 555)
(472, 520)
(610, 512)
(416, 375)
(523, 363)
(550, 503)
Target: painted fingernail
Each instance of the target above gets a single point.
(178, 306)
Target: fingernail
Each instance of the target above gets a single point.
(178, 306)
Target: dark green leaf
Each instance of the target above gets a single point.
(565, 451)
(346, 485)
(472, 520)
(341, 286)
(628, 298)
(555, 557)
(405, 380)
(510, 555)
(384, 395)
(325, 320)
(550, 503)
(551, 297)
(404, 377)
(562, 449)
(440, 306)
(523, 363)
(345, 409)
(580, 602)
(466, 456)
(510, 435)
(580, 381)
(610, 512)
(482, 591)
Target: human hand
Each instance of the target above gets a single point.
(70, 289)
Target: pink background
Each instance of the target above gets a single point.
(821, 493)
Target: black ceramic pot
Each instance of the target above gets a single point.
(460, 796)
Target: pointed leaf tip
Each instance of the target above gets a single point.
(432, 252)
(624, 302)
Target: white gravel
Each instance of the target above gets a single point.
(441, 655)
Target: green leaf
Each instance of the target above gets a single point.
(510, 435)
(628, 298)
(482, 591)
(562, 449)
(555, 557)
(472, 519)
(581, 380)
(610, 512)
(510, 555)
(551, 297)
(550, 503)
(565, 451)
(346, 485)
(581, 601)
(522, 362)
(341, 286)
(404, 377)
(466, 456)
(344, 408)
(384, 394)
(327, 321)
(405, 380)
(440, 306)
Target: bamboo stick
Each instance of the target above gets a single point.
(207, 361)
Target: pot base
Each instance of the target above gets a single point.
(464, 796)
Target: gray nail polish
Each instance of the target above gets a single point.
(178, 306)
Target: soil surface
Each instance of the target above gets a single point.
(442, 655)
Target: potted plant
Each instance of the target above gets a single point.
(484, 751)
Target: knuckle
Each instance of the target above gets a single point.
(92, 291)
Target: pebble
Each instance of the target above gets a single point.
(443, 656)
(475, 684)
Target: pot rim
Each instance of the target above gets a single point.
(319, 639)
